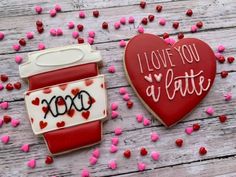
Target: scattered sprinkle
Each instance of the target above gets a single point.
(2, 36)
(118, 131)
(224, 74)
(113, 149)
(96, 153)
(85, 173)
(25, 148)
(223, 118)
(81, 14)
(57, 8)
(221, 48)
(179, 142)
(4, 105)
(49, 159)
(115, 140)
(154, 137)
(122, 43)
(162, 21)
(139, 118)
(16, 47)
(210, 111)
(196, 127)
(114, 106)
(75, 34)
(146, 122)
(71, 25)
(91, 34)
(5, 139)
(189, 130)
(159, 8)
(189, 12)
(131, 19)
(123, 90)
(143, 151)
(18, 59)
(140, 29)
(30, 35)
(93, 160)
(112, 165)
(31, 163)
(228, 96)
(193, 28)
(117, 25)
(141, 166)
(202, 151)
(126, 97)
(15, 122)
(123, 20)
(53, 12)
(114, 114)
(155, 155)
(127, 153)
(38, 9)
(41, 46)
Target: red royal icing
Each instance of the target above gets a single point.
(35, 101)
(170, 80)
(71, 112)
(43, 124)
(88, 82)
(86, 114)
(60, 124)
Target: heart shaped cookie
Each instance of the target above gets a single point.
(169, 80)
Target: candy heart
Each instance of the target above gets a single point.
(15, 122)
(5, 139)
(25, 148)
(141, 166)
(187, 69)
(154, 136)
(113, 148)
(96, 153)
(31, 163)
(146, 122)
(189, 130)
(115, 140)
(114, 114)
(4, 105)
(93, 160)
(139, 118)
(49, 160)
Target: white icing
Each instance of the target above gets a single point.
(57, 58)
(148, 78)
(150, 91)
(158, 77)
(96, 110)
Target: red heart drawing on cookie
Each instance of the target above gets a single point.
(60, 124)
(45, 109)
(75, 91)
(170, 80)
(71, 112)
(86, 114)
(63, 86)
(35, 101)
(88, 82)
(47, 90)
(43, 124)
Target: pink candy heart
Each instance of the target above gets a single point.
(139, 118)
(18, 59)
(115, 140)
(85, 173)
(5, 139)
(25, 148)
(122, 90)
(113, 149)
(126, 97)
(141, 166)
(31, 163)
(38, 9)
(1, 86)
(210, 111)
(90, 41)
(140, 29)
(118, 131)
(122, 43)
(4, 105)
(155, 155)
(112, 165)
(189, 130)
(114, 106)
(146, 122)
(15, 122)
(96, 153)
(131, 19)
(16, 47)
(114, 114)
(93, 160)
(112, 69)
(154, 136)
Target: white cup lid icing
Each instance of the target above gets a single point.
(57, 58)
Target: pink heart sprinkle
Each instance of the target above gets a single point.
(228, 96)
(126, 97)
(122, 43)
(30, 35)
(96, 153)
(41, 46)
(59, 32)
(5, 139)
(122, 90)
(189, 130)
(117, 25)
(162, 21)
(114, 114)
(31, 163)
(118, 131)
(112, 69)
(112, 165)
(25, 147)
(93, 160)
(123, 20)
(210, 111)
(141, 166)
(75, 34)
(146, 122)
(113, 149)
(155, 155)
(2, 35)
(91, 34)
(4, 105)
(115, 140)
(38, 9)
(221, 48)
(154, 136)
(1, 87)
(90, 41)
(57, 8)
(18, 59)
(71, 25)
(170, 41)
(1, 122)
(114, 106)
(140, 29)
(131, 19)
(15, 122)
(82, 14)
(139, 118)
(53, 32)
(16, 47)
(53, 12)
(218, 55)
(85, 173)
(194, 28)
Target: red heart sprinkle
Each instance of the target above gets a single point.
(224, 74)
(129, 104)
(151, 17)
(80, 40)
(17, 85)
(6, 119)
(40, 29)
(143, 151)
(175, 25)
(222, 118)
(60, 124)
(180, 35)
(142, 4)
(71, 112)
(22, 42)
(80, 27)
(221, 59)
(158, 8)
(165, 35)
(49, 160)
(189, 12)
(42, 124)
(35, 101)
(86, 114)
(230, 59)
(127, 153)
(199, 24)
(202, 151)
(179, 142)
(104, 25)
(96, 13)
(196, 127)
(39, 23)
(9, 87)
(144, 21)
(4, 77)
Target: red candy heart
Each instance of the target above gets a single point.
(17, 85)
(48, 160)
(4, 77)
(7, 119)
(202, 151)
(9, 87)
(170, 80)
(179, 142)
(127, 154)
(143, 152)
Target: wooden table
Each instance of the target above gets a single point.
(219, 17)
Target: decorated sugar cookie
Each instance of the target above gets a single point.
(66, 100)
(169, 80)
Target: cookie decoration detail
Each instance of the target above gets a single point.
(170, 80)
(65, 99)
